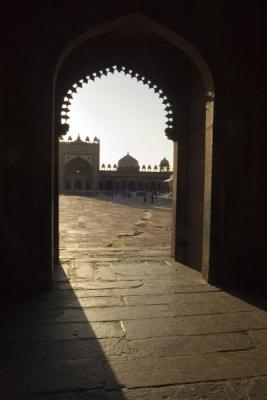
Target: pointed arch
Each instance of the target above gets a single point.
(192, 122)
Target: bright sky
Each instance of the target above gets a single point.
(125, 115)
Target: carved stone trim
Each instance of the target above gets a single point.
(170, 123)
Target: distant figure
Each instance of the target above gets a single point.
(145, 198)
(152, 197)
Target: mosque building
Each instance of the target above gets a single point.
(79, 170)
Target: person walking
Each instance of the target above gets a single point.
(145, 198)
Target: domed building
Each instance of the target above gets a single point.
(79, 171)
(128, 164)
(164, 165)
(129, 178)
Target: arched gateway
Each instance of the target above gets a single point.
(178, 73)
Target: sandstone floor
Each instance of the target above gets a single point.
(125, 321)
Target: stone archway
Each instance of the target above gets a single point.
(190, 99)
(77, 175)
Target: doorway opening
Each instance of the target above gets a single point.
(126, 166)
(164, 58)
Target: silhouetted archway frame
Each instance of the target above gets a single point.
(180, 247)
(89, 78)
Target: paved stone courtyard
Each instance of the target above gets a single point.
(124, 321)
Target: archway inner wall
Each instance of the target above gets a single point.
(195, 143)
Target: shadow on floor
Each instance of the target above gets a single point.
(49, 350)
(255, 296)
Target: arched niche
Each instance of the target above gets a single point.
(78, 170)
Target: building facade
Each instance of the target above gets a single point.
(78, 164)
(79, 170)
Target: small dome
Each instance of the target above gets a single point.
(164, 164)
(128, 162)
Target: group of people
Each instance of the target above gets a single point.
(152, 195)
(147, 196)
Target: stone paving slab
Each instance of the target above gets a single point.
(58, 294)
(202, 287)
(105, 273)
(173, 282)
(160, 290)
(101, 314)
(68, 331)
(126, 313)
(259, 337)
(208, 367)
(143, 290)
(238, 389)
(216, 307)
(100, 285)
(189, 345)
(184, 298)
(147, 299)
(84, 299)
(83, 270)
(61, 376)
(193, 325)
(70, 349)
